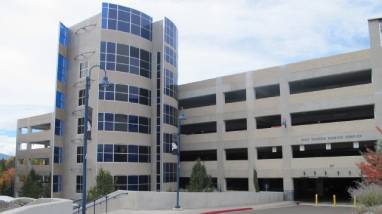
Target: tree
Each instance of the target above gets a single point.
(372, 168)
(7, 178)
(2, 165)
(200, 181)
(104, 185)
(32, 186)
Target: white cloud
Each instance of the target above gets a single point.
(10, 113)
(7, 145)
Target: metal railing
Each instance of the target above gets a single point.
(93, 205)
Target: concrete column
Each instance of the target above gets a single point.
(287, 175)
(375, 31)
(286, 140)
(220, 130)
(288, 188)
(252, 156)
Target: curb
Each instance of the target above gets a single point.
(228, 210)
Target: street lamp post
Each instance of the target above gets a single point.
(181, 117)
(85, 139)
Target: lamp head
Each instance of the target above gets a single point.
(105, 81)
(181, 116)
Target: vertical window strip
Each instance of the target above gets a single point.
(59, 127)
(64, 35)
(62, 68)
(59, 100)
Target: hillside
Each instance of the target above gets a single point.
(4, 156)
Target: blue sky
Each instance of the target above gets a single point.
(217, 37)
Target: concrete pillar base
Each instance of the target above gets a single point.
(288, 195)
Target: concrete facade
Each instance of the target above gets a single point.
(129, 201)
(286, 134)
(355, 80)
(34, 148)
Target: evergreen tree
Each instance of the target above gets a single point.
(32, 186)
(2, 165)
(200, 181)
(104, 185)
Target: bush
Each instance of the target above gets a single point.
(367, 195)
(104, 185)
(200, 181)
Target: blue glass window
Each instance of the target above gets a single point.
(170, 115)
(115, 17)
(169, 174)
(58, 155)
(123, 153)
(170, 83)
(64, 35)
(59, 100)
(109, 120)
(121, 122)
(133, 94)
(59, 127)
(133, 123)
(108, 153)
(62, 68)
(120, 182)
(120, 153)
(57, 183)
(100, 152)
(124, 58)
(170, 56)
(101, 121)
(170, 33)
(133, 153)
(144, 154)
(167, 142)
(122, 92)
(124, 16)
(132, 182)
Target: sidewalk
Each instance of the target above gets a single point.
(210, 210)
(327, 204)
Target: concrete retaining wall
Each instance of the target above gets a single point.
(44, 205)
(191, 200)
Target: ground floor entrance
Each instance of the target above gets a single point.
(306, 188)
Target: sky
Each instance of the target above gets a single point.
(216, 37)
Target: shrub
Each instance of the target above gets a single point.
(372, 167)
(200, 181)
(104, 185)
(367, 195)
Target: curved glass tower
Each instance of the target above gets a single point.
(134, 119)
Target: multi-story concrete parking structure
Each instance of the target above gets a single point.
(34, 149)
(297, 128)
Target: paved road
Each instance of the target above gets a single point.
(305, 210)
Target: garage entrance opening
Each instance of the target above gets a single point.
(306, 188)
